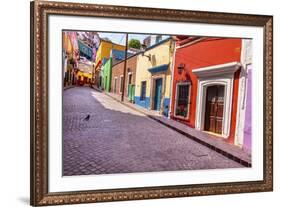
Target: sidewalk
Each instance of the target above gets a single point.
(96, 88)
(68, 87)
(215, 143)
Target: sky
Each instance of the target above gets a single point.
(120, 38)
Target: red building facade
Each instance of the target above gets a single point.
(205, 84)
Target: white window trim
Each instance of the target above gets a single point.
(152, 90)
(129, 73)
(120, 86)
(115, 81)
(176, 99)
(215, 75)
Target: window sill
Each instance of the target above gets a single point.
(181, 118)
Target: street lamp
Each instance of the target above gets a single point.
(181, 67)
(148, 56)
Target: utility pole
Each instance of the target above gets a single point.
(125, 67)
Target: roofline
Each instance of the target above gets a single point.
(103, 40)
(191, 42)
(147, 49)
(157, 44)
(127, 58)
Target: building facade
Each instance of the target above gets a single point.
(117, 79)
(206, 79)
(84, 73)
(152, 40)
(70, 57)
(106, 48)
(85, 50)
(153, 77)
(243, 135)
(106, 75)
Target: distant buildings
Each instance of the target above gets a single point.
(152, 40)
(106, 48)
(70, 57)
(78, 57)
(85, 50)
(84, 72)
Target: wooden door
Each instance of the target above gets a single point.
(158, 92)
(214, 109)
(129, 84)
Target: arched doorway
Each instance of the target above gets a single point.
(214, 109)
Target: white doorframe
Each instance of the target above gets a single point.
(120, 85)
(154, 77)
(115, 85)
(215, 75)
(129, 73)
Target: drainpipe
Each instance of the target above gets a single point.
(172, 67)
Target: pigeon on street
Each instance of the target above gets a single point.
(87, 117)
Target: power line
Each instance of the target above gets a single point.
(122, 39)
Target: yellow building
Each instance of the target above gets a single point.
(102, 55)
(105, 49)
(67, 46)
(84, 78)
(84, 73)
(154, 77)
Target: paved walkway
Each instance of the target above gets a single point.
(119, 139)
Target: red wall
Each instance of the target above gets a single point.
(208, 52)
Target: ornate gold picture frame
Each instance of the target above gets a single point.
(40, 194)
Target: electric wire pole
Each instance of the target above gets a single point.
(125, 67)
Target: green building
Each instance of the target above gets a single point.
(107, 71)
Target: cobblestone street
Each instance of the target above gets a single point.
(118, 139)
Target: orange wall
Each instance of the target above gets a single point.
(208, 52)
(234, 106)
